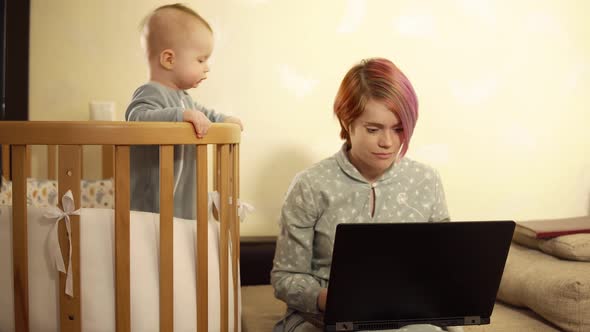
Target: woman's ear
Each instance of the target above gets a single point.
(167, 58)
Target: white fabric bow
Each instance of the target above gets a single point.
(56, 213)
(243, 207)
(243, 210)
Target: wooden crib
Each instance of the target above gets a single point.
(70, 137)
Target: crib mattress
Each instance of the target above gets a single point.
(97, 274)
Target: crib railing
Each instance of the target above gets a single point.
(71, 136)
(106, 172)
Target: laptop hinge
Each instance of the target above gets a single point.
(472, 320)
(344, 326)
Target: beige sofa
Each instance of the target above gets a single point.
(260, 310)
(539, 292)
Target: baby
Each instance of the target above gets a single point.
(178, 43)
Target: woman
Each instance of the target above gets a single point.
(368, 180)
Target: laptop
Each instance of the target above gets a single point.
(389, 275)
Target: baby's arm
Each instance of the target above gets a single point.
(233, 119)
(147, 104)
(199, 121)
(214, 116)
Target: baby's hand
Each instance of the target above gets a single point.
(199, 121)
(233, 119)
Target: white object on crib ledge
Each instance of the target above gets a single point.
(102, 110)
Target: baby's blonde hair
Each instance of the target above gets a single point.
(166, 26)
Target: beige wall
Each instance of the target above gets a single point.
(503, 86)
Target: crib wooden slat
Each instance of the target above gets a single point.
(122, 234)
(223, 238)
(19, 239)
(235, 229)
(166, 238)
(237, 186)
(216, 170)
(108, 161)
(202, 253)
(28, 166)
(70, 175)
(237, 190)
(216, 173)
(51, 162)
(6, 161)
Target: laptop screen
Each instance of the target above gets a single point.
(388, 275)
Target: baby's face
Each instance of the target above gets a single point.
(191, 64)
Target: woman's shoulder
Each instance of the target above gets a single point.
(317, 173)
(324, 167)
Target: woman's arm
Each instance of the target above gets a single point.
(440, 212)
(292, 276)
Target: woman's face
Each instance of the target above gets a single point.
(375, 139)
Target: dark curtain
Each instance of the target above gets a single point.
(14, 60)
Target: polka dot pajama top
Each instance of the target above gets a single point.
(333, 192)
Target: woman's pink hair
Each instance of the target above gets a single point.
(378, 79)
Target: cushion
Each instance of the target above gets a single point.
(97, 194)
(573, 246)
(260, 309)
(557, 290)
(508, 318)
